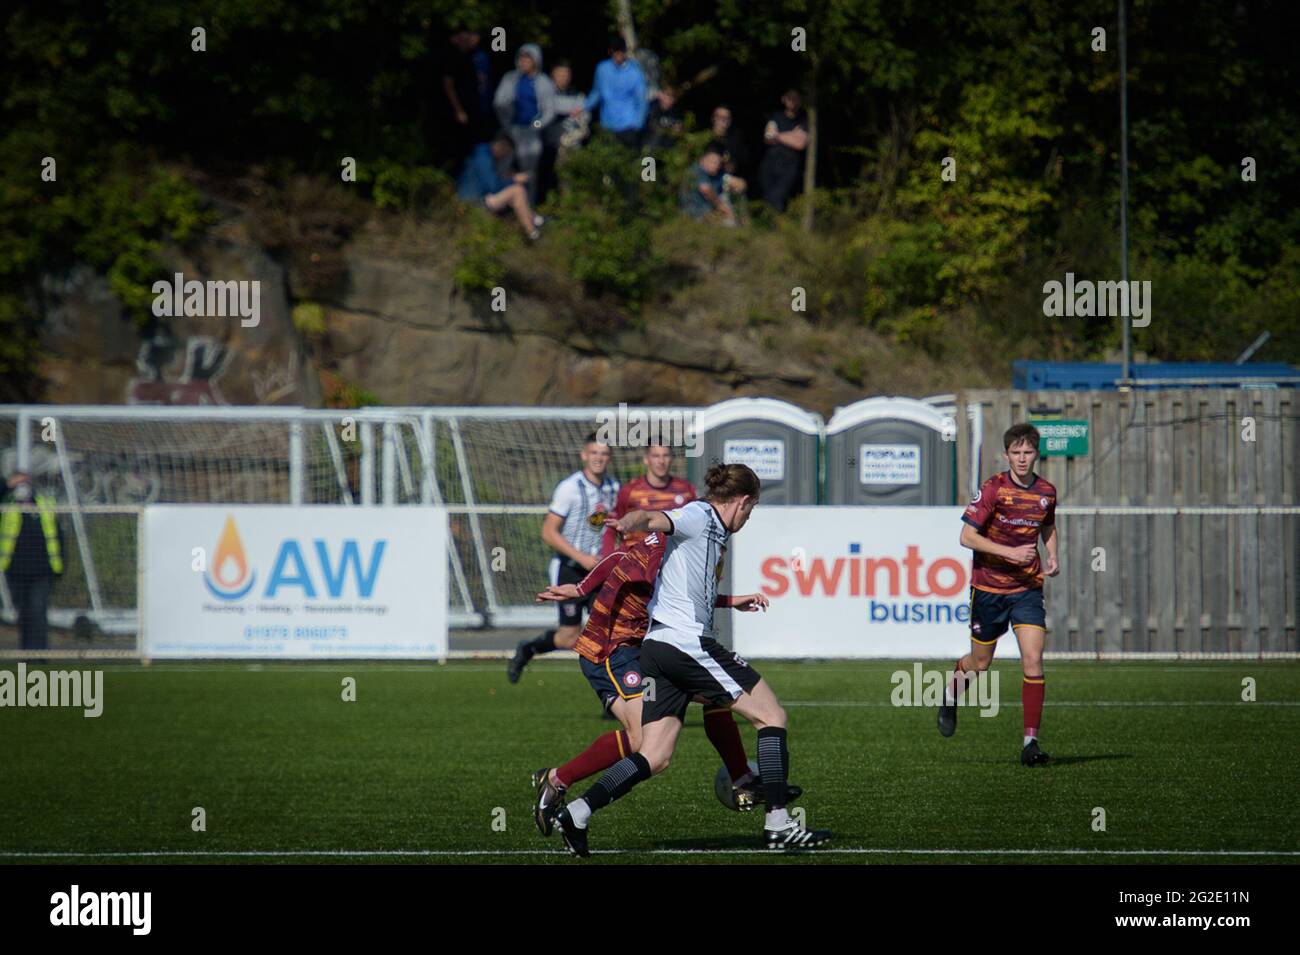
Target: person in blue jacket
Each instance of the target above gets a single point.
(482, 180)
(619, 90)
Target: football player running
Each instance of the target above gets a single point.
(681, 657)
(610, 650)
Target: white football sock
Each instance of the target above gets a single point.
(776, 819)
(950, 687)
(580, 813)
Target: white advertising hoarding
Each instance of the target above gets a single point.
(294, 582)
(854, 582)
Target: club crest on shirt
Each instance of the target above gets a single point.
(679, 499)
(1042, 502)
(631, 678)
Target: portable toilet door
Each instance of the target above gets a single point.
(891, 451)
(780, 441)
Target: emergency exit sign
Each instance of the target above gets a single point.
(1062, 439)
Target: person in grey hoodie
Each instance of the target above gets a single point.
(525, 104)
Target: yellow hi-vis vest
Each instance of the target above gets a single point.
(11, 522)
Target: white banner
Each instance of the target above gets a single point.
(854, 582)
(294, 582)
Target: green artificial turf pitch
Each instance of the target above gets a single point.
(431, 761)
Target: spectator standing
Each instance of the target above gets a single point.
(666, 120)
(728, 141)
(786, 135)
(525, 104)
(31, 557)
(566, 131)
(467, 86)
(619, 89)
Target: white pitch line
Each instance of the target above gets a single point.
(565, 657)
(1078, 703)
(437, 853)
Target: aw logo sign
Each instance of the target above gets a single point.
(313, 581)
(230, 577)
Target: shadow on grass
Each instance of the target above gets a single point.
(1072, 760)
(717, 843)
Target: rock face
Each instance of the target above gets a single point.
(100, 355)
(399, 330)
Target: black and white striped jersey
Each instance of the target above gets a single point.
(687, 587)
(575, 499)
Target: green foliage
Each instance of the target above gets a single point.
(407, 188)
(1205, 310)
(987, 212)
(852, 368)
(108, 212)
(309, 318)
(341, 393)
(483, 248)
(1013, 92)
(605, 213)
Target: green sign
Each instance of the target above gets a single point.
(1062, 439)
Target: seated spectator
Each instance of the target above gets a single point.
(666, 121)
(728, 141)
(482, 181)
(709, 190)
(786, 135)
(525, 105)
(619, 89)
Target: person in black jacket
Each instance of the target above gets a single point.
(786, 135)
(31, 557)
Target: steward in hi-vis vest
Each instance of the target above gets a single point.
(31, 557)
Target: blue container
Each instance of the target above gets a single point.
(1099, 376)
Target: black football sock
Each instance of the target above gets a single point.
(617, 781)
(543, 644)
(773, 764)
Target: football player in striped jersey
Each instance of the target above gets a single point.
(1003, 525)
(610, 651)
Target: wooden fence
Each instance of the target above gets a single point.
(1179, 528)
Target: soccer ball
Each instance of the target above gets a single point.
(723, 789)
